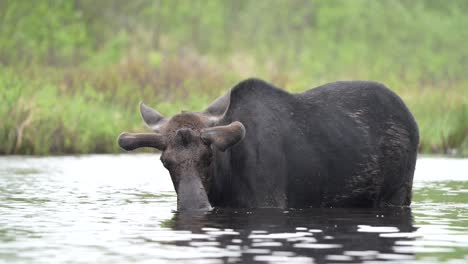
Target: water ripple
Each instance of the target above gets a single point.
(109, 209)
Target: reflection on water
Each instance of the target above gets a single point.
(108, 209)
(297, 236)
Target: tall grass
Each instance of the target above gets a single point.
(72, 72)
(82, 111)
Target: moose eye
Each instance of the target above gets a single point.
(166, 162)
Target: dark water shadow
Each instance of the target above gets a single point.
(320, 235)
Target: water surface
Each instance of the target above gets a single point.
(120, 209)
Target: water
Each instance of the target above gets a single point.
(120, 209)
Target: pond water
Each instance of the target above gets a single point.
(120, 209)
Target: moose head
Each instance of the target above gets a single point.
(187, 142)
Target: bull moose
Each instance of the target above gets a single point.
(342, 144)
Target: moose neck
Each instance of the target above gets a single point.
(219, 183)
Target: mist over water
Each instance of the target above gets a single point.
(120, 208)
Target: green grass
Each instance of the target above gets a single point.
(47, 117)
(84, 111)
(72, 72)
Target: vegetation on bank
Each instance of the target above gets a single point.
(72, 72)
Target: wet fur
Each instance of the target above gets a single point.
(343, 144)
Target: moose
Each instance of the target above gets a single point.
(342, 144)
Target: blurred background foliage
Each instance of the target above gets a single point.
(72, 72)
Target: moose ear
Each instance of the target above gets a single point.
(224, 137)
(152, 118)
(131, 141)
